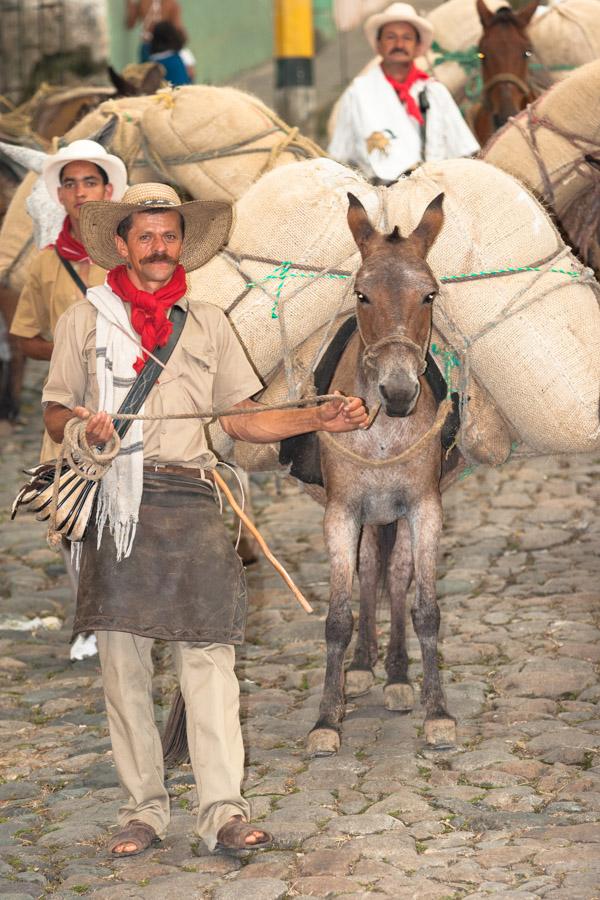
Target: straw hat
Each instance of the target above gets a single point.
(399, 12)
(85, 151)
(207, 224)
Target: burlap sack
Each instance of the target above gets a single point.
(125, 138)
(546, 148)
(216, 141)
(540, 364)
(17, 247)
(565, 35)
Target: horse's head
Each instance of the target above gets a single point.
(395, 290)
(504, 50)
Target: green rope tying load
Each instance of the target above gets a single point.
(285, 270)
(281, 274)
(449, 360)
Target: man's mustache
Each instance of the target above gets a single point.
(158, 257)
(400, 50)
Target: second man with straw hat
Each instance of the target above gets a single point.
(394, 116)
(157, 561)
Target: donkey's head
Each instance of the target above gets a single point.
(395, 290)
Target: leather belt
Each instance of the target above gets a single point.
(184, 471)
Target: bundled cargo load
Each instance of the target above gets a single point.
(116, 124)
(553, 147)
(212, 142)
(215, 142)
(517, 315)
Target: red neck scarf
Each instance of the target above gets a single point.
(68, 246)
(148, 311)
(402, 88)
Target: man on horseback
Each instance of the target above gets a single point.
(61, 273)
(395, 116)
(164, 567)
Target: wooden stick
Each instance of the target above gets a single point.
(262, 543)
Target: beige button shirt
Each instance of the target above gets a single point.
(48, 291)
(208, 370)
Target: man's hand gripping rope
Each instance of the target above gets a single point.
(91, 443)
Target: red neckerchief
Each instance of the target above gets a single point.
(148, 311)
(402, 89)
(68, 246)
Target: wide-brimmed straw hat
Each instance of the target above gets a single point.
(399, 12)
(85, 151)
(207, 224)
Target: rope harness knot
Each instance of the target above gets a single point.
(371, 351)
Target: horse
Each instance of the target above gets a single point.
(383, 512)
(504, 51)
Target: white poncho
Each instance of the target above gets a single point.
(371, 105)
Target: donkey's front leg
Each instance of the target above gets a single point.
(425, 521)
(342, 530)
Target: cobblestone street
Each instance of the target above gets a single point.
(514, 811)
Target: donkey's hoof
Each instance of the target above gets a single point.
(323, 742)
(398, 697)
(440, 734)
(358, 682)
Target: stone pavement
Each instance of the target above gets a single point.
(514, 811)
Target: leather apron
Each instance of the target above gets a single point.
(183, 580)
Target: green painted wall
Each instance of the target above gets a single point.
(225, 36)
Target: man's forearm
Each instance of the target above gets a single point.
(271, 425)
(36, 347)
(56, 417)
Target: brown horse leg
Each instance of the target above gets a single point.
(342, 532)
(398, 694)
(359, 674)
(425, 521)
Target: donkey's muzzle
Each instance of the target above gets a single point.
(398, 402)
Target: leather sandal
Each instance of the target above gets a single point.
(232, 836)
(135, 832)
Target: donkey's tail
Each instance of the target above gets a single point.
(174, 741)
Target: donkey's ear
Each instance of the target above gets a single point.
(429, 227)
(525, 14)
(123, 87)
(485, 15)
(361, 228)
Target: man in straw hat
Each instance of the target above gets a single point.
(167, 568)
(395, 116)
(60, 274)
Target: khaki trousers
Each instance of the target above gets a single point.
(210, 689)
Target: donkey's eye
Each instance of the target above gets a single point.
(362, 298)
(527, 53)
(429, 298)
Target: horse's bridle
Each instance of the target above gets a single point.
(502, 78)
(506, 77)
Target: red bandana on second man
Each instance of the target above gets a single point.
(148, 311)
(68, 246)
(402, 88)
